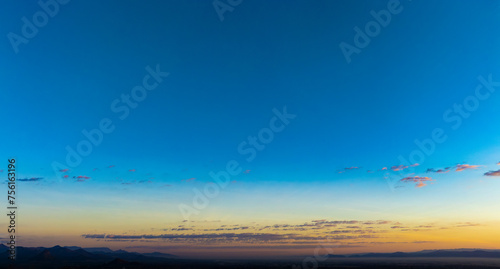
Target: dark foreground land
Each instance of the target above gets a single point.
(75, 257)
(348, 263)
(462, 263)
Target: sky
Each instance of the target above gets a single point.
(250, 128)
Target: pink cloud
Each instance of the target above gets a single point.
(64, 170)
(416, 179)
(246, 171)
(131, 170)
(65, 176)
(421, 184)
(401, 167)
(189, 179)
(462, 167)
(419, 180)
(81, 178)
(398, 167)
(458, 168)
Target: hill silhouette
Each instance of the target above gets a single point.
(77, 257)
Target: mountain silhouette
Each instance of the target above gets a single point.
(428, 254)
(105, 258)
(59, 256)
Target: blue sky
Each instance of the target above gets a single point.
(225, 79)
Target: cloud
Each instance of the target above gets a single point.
(493, 173)
(81, 178)
(398, 167)
(425, 226)
(206, 237)
(467, 224)
(498, 163)
(415, 179)
(65, 176)
(458, 168)
(64, 170)
(260, 247)
(343, 226)
(351, 168)
(226, 237)
(111, 166)
(347, 232)
(347, 169)
(419, 180)
(401, 167)
(462, 167)
(189, 179)
(131, 170)
(30, 179)
(319, 222)
(246, 171)
(96, 236)
(421, 184)
(434, 170)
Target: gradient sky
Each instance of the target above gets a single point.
(319, 181)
